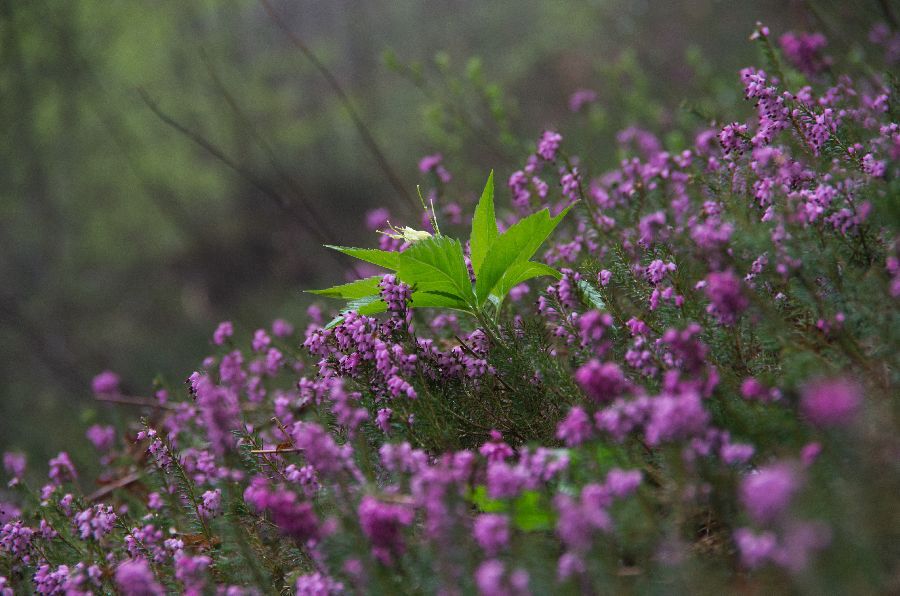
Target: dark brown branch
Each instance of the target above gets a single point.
(369, 140)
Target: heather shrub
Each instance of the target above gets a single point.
(678, 375)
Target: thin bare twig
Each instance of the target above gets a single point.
(248, 126)
(367, 137)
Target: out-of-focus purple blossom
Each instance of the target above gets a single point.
(810, 453)
(675, 417)
(736, 453)
(434, 163)
(191, 572)
(220, 412)
(726, 297)
(376, 219)
(580, 98)
(383, 419)
(621, 483)
(135, 578)
(755, 549)
(580, 518)
(767, 493)
(106, 383)
(800, 541)
(383, 524)
(282, 328)
(548, 145)
(102, 437)
(492, 580)
(491, 531)
(14, 466)
(261, 340)
(496, 449)
(575, 428)
(223, 332)
(602, 382)
(804, 51)
(62, 469)
(831, 402)
(317, 584)
(294, 518)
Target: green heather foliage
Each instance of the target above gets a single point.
(684, 382)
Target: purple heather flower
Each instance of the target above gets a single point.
(579, 518)
(154, 501)
(382, 523)
(102, 437)
(755, 549)
(261, 341)
(491, 579)
(581, 98)
(9, 512)
(134, 578)
(14, 465)
(496, 449)
(434, 163)
(592, 325)
(282, 328)
(106, 383)
(15, 538)
(220, 413)
(799, 543)
(491, 531)
(96, 522)
(61, 469)
(191, 572)
(810, 453)
(831, 402)
(767, 493)
(377, 219)
(602, 382)
(383, 419)
(294, 518)
(736, 453)
(804, 51)
(223, 332)
(727, 301)
(317, 584)
(674, 417)
(621, 483)
(575, 428)
(211, 502)
(549, 145)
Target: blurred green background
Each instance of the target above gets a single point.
(124, 240)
